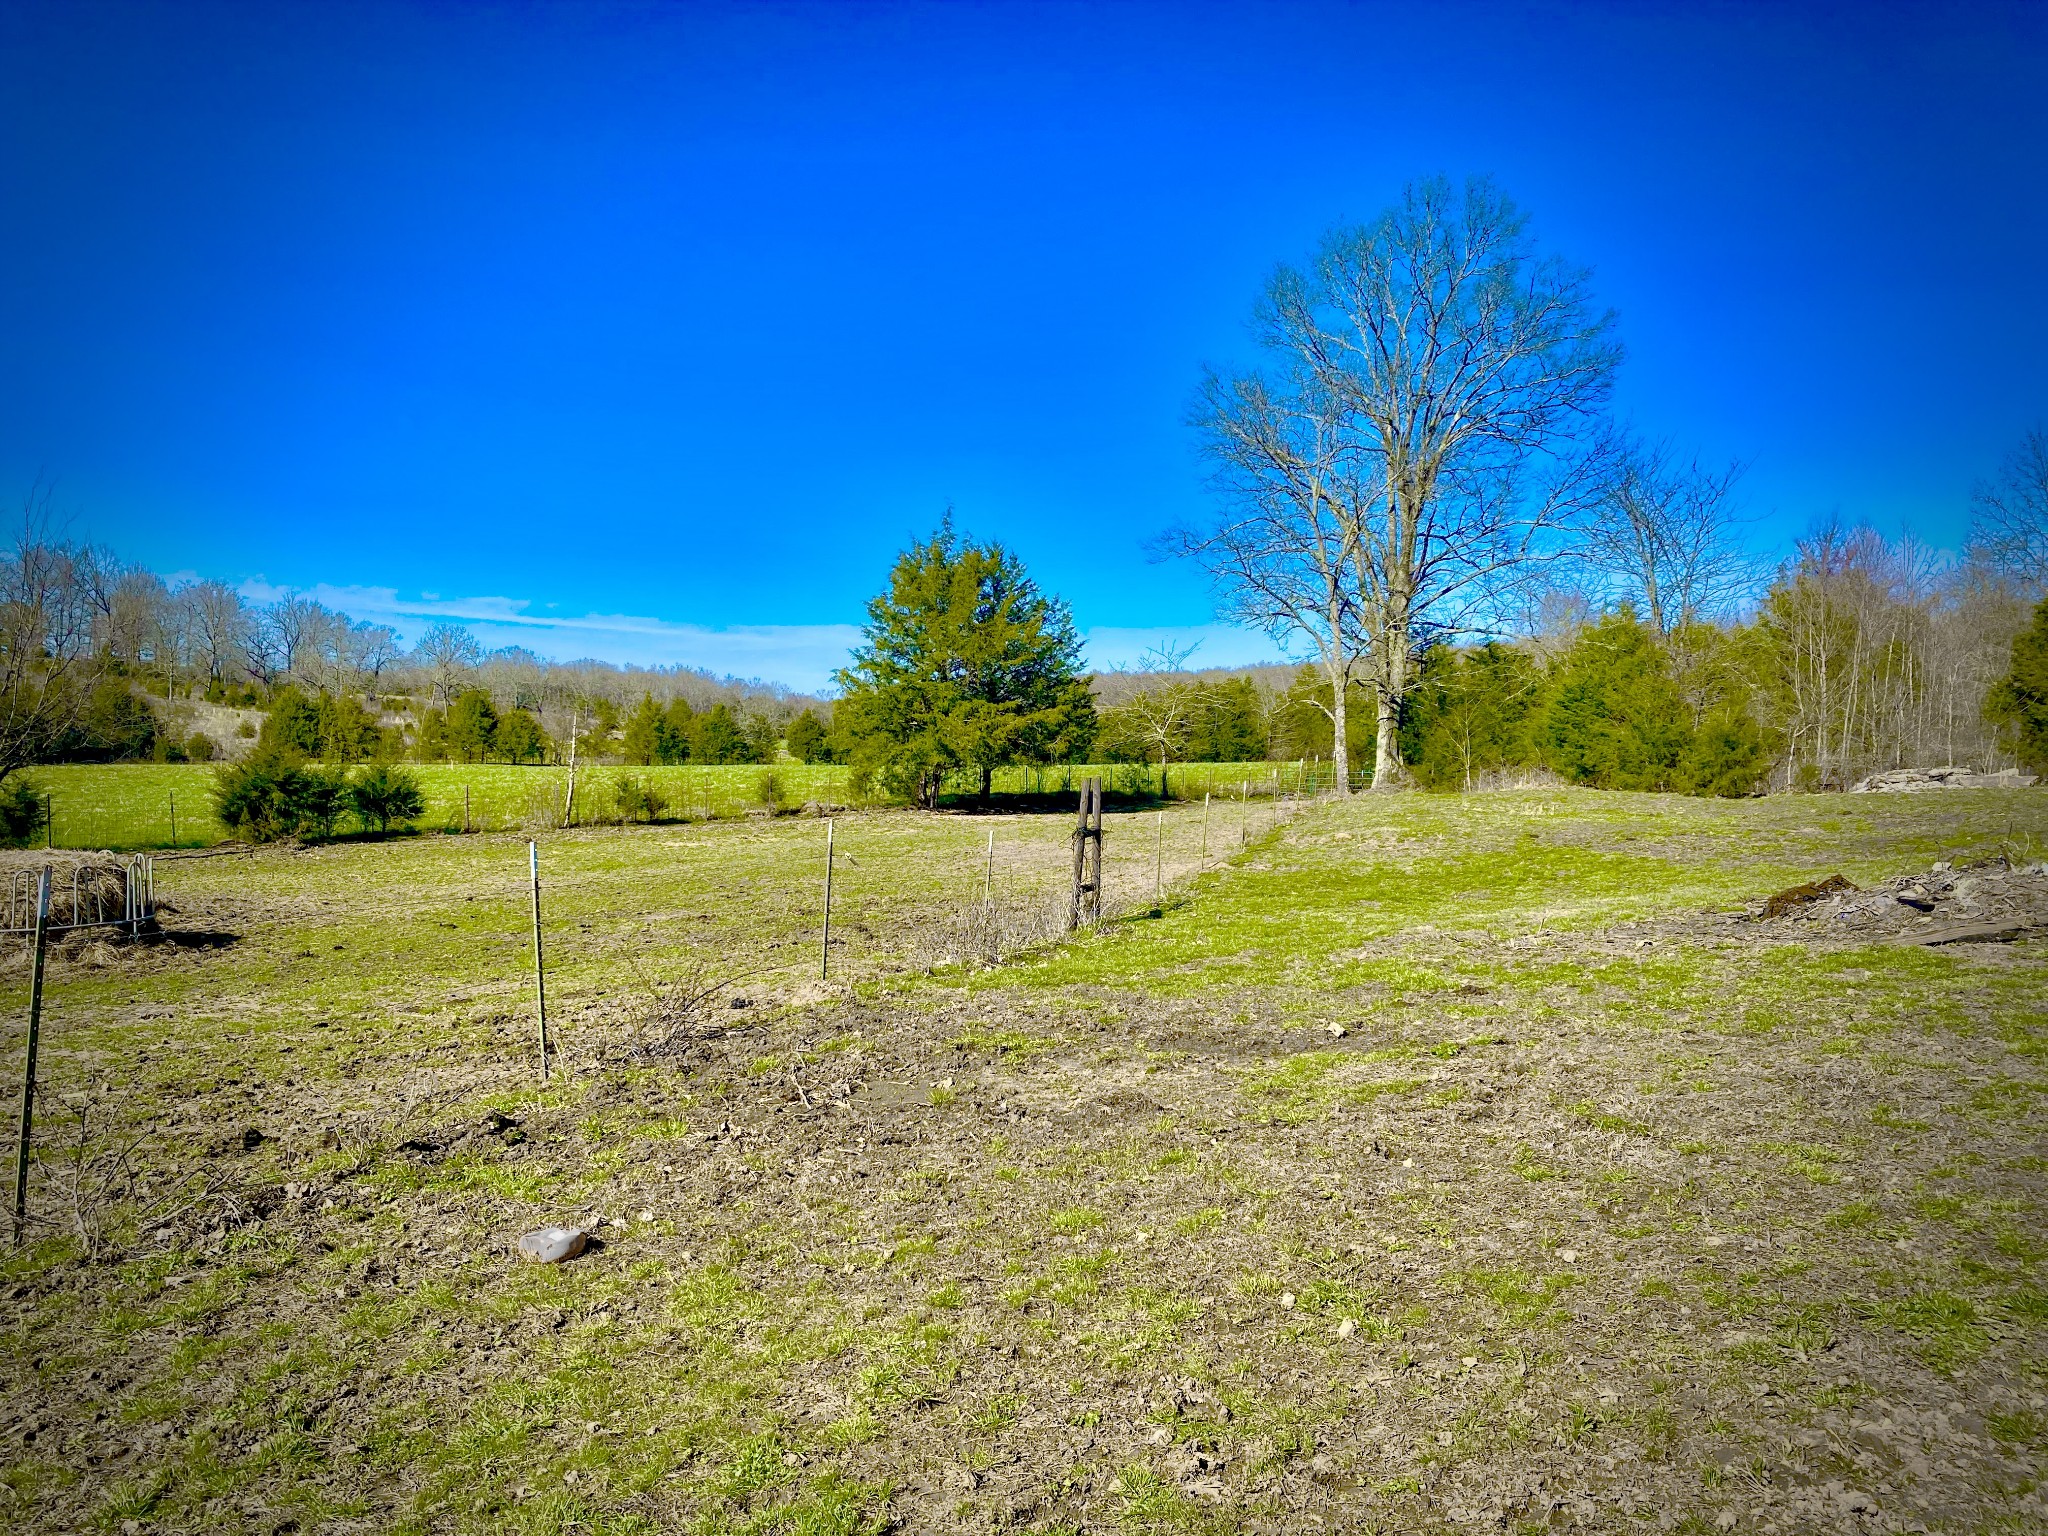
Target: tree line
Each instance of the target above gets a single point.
(1420, 488)
(1424, 469)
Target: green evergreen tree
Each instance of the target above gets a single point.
(431, 742)
(641, 742)
(291, 729)
(1469, 714)
(1727, 756)
(472, 726)
(1302, 725)
(347, 732)
(2018, 702)
(518, 738)
(965, 665)
(1615, 718)
(807, 738)
(674, 736)
(716, 737)
(383, 797)
(1230, 725)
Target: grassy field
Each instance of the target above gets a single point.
(132, 805)
(1430, 1164)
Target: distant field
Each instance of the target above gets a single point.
(132, 805)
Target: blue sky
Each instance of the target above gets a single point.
(652, 331)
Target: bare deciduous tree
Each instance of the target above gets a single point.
(290, 630)
(47, 659)
(2009, 525)
(1281, 555)
(446, 653)
(1469, 370)
(1662, 532)
(219, 623)
(1159, 715)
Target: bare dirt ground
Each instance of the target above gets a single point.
(1471, 1165)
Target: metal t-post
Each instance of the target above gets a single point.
(28, 1070)
(540, 975)
(825, 945)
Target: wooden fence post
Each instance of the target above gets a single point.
(28, 1070)
(1087, 857)
(540, 975)
(1158, 855)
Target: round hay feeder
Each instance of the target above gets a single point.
(87, 890)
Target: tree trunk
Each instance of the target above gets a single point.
(1340, 749)
(1387, 772)
(988, 775)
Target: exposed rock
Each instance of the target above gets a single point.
(552, 1245)
(1903, 779)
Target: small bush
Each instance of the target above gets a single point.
(383, 796)
(768, 788)
(269, 797)
(245, 730)
(201, 748)
(24, 812)
(637, 799)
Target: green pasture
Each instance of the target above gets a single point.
(133, 805)
(1377, 1168)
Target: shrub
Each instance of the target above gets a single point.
(769, 788)
(24, 812)
(200, 747)
(383, 796)
(270, 797)
(636, 799)
(1726, 757)
(245, 730)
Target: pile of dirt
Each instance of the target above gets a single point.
(1991, 900)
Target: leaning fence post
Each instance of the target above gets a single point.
(28, 1070)
(988, 879)
(540, 975)
(825, 945)
(1158, 855)
(1095, 851)
(1205, 826)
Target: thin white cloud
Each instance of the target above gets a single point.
(801, 656)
